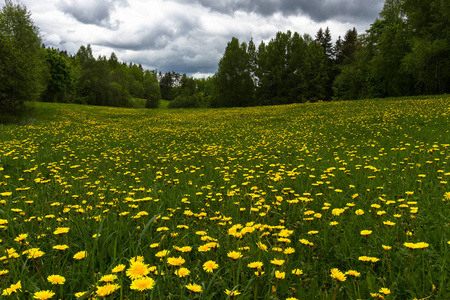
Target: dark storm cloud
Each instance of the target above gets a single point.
(317, 10)
(96, 12)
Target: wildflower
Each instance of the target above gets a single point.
(377, 295)
(61, 230)
(162, 254)
(338, 275)
(232, 293)
(297, 272)
(61, 247)
(255, 265)
(359, 212)
(21, 237)
(182, 272)
(12, 289)
(108, 278)
(385, 291)
(33, 253)
(419, 245)
(368, 258)
(43, 295)
(289, 250)
(56, 279)
(261, 246)
(118, 268)
(142, 284)
(137, 258)
(106, 290)
(210, 266)
(280, 275)
(137, 269)
(204, 248)
(3, 272)
(337, 211)
(80, 255)
(234, 254)
(353, 273)
(277, 262)
(194, 287)
(175, 261)
(389, 223)
(387, 248)
(366, 232)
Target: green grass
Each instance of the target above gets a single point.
(297, 183)
(164, 103)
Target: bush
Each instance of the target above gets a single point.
(185, 102)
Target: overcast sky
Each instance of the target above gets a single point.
(188, 36)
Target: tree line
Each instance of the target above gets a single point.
(30, 71)
(406, 51)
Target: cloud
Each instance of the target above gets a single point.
(317, 10)
(188, 36)
(96, 12)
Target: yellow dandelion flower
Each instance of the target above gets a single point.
(56, 279)
(234, 254)
(61, 247)
(80, 255)
(277, 262)
(232, 293)
(210, 266)
(255, 265)
(137, 269)
(175, 261)
(182, 272)
(106, 290)
(118, 268)
(297, 272)
(353, 273)
(280, 275)
(43, 295)
(338, 275)
(61, 230)
(194, 287)
(142, 284)
(108, 278)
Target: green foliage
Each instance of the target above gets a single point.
(151, 90)
(185, 102)
(23, 70)
(62, 78)
(233, 84)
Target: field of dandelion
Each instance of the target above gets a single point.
(340, 200)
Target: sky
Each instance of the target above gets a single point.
(188, 36)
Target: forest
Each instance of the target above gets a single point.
(405, 52)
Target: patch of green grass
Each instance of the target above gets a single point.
(164, 104)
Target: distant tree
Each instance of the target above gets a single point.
(23, 69)
(169, 85)
(62, 78)
(325, 40)
(233, 85)
(151, 90)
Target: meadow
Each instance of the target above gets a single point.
(328, 200)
